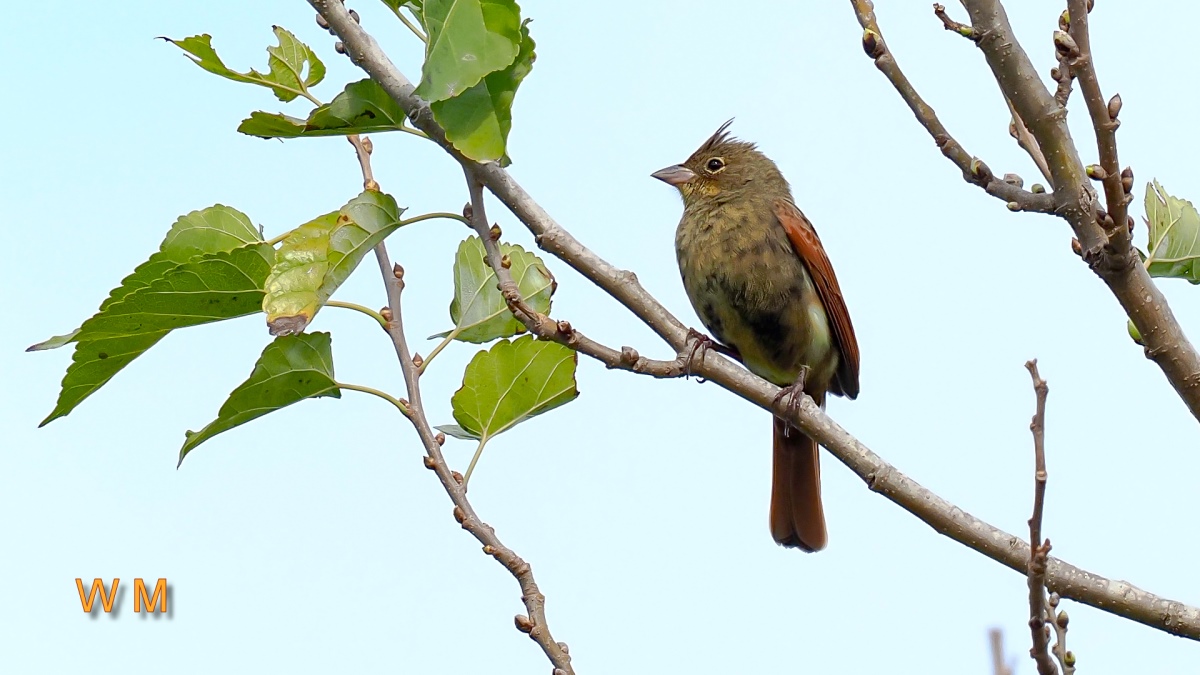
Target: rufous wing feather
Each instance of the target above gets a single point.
(808, 246)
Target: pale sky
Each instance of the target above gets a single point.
(313, 541)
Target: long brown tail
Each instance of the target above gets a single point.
(797, 519)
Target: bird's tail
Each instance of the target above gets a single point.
(797, 519)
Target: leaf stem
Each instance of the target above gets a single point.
(407, 22)
(359, 308)
(275, 240)
(375, 392)
(436, 350)
(438, 214)
(471, 467)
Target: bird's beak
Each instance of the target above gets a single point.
(674, 175)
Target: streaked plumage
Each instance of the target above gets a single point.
(758, 277)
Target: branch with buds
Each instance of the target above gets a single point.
(946, 518)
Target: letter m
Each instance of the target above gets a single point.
(106, 599)
(140, 596)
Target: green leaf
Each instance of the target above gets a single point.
(98, 356)
(291, 369)
(210, 288)
(362, 108)
(478, 120)
(286, 63)
(415, 6)
(478, 310)
(468, 39)
(455, 431)
(511, 382)
(93, 364)
(315, 258)
(1174, 243)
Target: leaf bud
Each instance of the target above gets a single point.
(1096, 172)
(1037, 188)
(872, 44)
(524, 624)
(322, 22)
(339, 47)
(1114, 106)
(354, 15)
(1065, 44)
(459, 515)
(494, 233)
(1014, 179)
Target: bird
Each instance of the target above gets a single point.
(758, 277)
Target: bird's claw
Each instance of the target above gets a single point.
(792, 393)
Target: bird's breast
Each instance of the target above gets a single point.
(753, 293)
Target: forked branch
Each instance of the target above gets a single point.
(946, 518)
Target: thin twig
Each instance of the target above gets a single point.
(1018, 130)
(535, 625)
(999, 660)
(455, 485)
(1039, 551)
(948, 519)
(973, 169)
(939, 10)
(1104, 122)
(363, 148)
(1112, 258)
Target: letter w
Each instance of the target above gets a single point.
(106, 599)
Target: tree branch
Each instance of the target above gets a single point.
(1105, 243)
(1039, 551)
(1104, 119)
(534, 624)
(1116, 597)
(973, 169)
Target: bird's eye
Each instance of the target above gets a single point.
(715, 165)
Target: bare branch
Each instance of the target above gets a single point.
(973, 169)
(999, 660)
(1113, 596)
(939, 10)
(1018, 130)
(1104, 119)
(1104, 243)
(1039, 551)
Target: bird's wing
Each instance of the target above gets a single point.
(808, 246)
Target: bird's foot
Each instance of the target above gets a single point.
(698, 342)
(793, 393)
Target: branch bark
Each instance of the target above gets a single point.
(1039, 550)
(534, 624)
(1113, 596)
(1105, 242)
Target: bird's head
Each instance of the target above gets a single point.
(722, 169)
